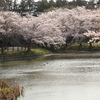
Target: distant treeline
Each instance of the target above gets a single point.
(31, 7)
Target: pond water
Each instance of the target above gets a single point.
(55, 79)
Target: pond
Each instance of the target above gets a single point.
(55, 79)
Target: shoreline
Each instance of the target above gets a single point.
(68, 55)
(18, 58)
(76, 54)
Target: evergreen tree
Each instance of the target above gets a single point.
(41, 5)
(59, 3)
(15, 5)
(81, 2)
(64, 2)
(31, 7)
(10, 4)
(22, 6)
(51, 3)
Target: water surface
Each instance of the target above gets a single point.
(55, 79)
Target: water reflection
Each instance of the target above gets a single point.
(55, 79)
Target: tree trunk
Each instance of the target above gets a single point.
(17, 48)
(7, 49)
(13, 48)
(2, 49)
(90, 45)
(80, 45)
(28, 48)
(21, 47)
(25, 47)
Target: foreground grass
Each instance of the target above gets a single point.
(8, 92)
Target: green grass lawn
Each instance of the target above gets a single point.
(39, 51)
(35, 51)
(84, 47)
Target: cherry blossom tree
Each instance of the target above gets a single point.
(52, 29)
(4, 30)
(93, 37)
(71, 23)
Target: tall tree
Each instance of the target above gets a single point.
(22, 6)
(41, 5)
(51, 3)
(64, 2)
(59, 3)
(15, 5)
(81, 2)
(30, 5)
(3, 5)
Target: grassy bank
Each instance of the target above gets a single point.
(23, 54)
(83, 47)
(72, 51)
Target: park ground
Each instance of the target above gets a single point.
(71, 51)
